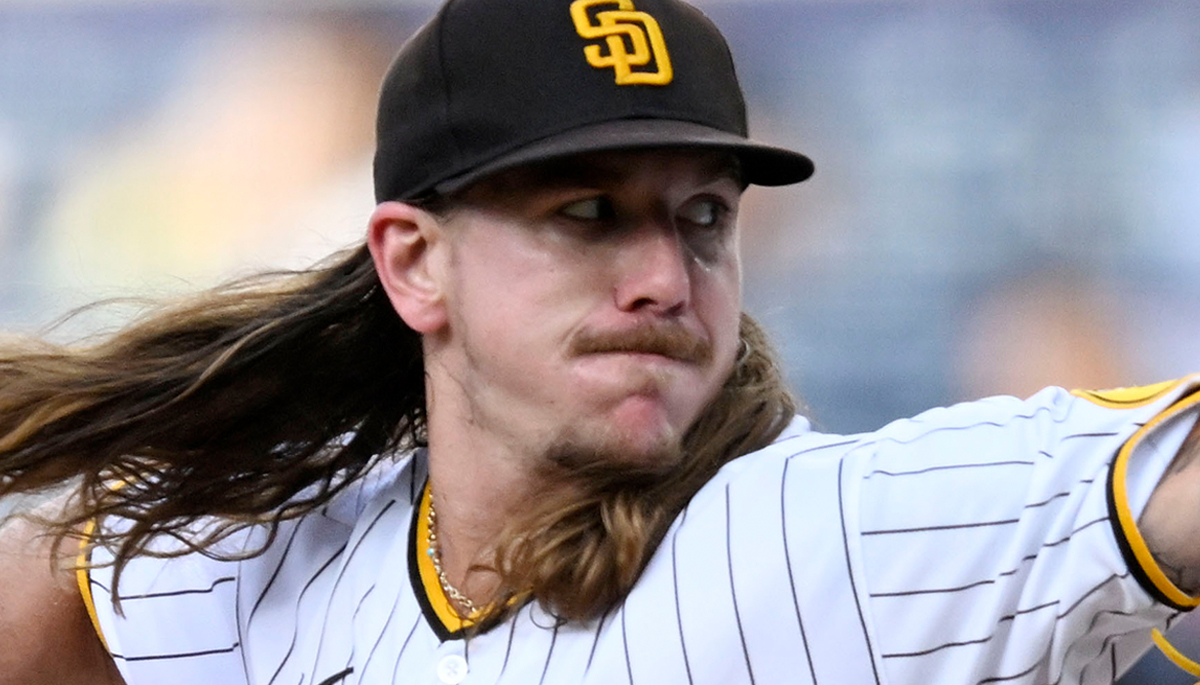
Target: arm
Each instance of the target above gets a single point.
(1170, 523)
(47, 635)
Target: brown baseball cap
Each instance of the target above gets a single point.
(488, 85)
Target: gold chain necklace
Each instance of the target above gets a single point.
(435, 556)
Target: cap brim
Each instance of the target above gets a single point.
(763, 165)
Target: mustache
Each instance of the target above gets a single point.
(670, 340)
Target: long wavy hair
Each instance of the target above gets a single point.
(258, 401)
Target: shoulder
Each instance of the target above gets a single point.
(260, 550)
(196, 618)
(797, 442)
(1055, 430)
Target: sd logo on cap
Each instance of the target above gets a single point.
(644, 36)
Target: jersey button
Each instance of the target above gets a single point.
(452, 669)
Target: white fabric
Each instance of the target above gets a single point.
(971, 544)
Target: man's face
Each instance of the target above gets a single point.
(592, 304)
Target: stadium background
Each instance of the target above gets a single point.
(1007, 194)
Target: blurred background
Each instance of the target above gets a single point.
(1007, 192)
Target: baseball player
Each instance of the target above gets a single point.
(526, 435)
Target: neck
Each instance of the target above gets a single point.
(476, 491)
(480, 475)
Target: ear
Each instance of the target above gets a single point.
(406, 243)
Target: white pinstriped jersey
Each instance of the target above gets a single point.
(990, 542)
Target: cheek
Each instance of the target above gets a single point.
(718, 294)
(510, 298)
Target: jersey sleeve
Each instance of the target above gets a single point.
(998, 540)
(252, 608)
(176, 622)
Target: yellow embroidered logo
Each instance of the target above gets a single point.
(616, 26)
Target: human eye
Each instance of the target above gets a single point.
(588, 209)
(708, 215)
(706, 223)
(705, 212)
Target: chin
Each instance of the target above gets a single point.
(605, 447)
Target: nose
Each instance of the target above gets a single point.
(653, 271)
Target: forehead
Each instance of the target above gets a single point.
(607, 170)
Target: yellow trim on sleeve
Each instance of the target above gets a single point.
(83, 578)
(1125, 515)
(1177, 657)
(1127, 398)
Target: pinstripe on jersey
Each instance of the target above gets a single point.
(972, 544)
